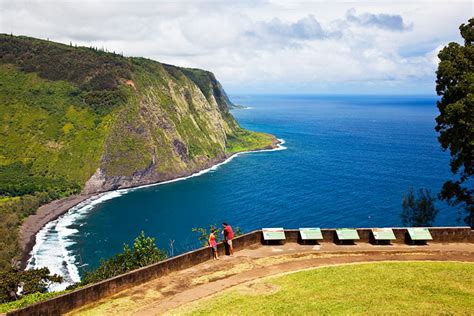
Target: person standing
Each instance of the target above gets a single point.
(213, 244)
(228, 236)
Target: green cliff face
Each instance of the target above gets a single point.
(79, 119)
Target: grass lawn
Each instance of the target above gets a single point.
(375, 288)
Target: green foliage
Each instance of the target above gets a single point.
(203, 234)
(31, 281)
(244, 140)
(47, 134)
(51, 144)
(92, 70)
(18, 179)
(203, 79)
(127, 153)
(12, 212)
(143, 253)
(27, 300)
(238, 232)
(418, 211)
(209, 86)
(455, 124)
(103, 101)
(4, 199)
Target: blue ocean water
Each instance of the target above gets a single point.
(348, 163)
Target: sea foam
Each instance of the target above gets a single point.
(53, 241)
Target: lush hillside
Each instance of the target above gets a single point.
(78, 119)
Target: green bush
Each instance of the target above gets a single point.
(29, 299)
(18, 179)
(144, 252)
(418, 211)
(12, 212)
(90, 68)
(31, 281)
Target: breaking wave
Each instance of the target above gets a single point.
(54, 240)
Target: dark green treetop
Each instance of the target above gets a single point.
(418, 211)
(455, 124)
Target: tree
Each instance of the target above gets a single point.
(418, 211)
(203, 234)
(30, 281)
(143, 253)
(455, 123)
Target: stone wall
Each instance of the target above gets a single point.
(439, 234)
(94, 292)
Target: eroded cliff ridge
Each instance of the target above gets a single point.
(81, 119)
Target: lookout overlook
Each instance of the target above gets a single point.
(190, 282)
(191, 157)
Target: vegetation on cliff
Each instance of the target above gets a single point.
(78, 119)
(12, 213)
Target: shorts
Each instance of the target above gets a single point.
(214, 248)
(229, 242)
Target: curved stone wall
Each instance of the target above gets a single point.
(69, 301)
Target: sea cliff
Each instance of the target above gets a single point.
(79, 121)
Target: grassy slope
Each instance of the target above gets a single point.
(56, 105)
(49, 133)
(243, 140)
(376, 288)
(51, 144)
(166, 108)
(64, 111)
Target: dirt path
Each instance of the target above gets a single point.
(166, 293)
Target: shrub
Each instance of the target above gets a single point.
(418, 211)
(143, 253)
(30, 281)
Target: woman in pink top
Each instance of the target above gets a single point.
(213, 244)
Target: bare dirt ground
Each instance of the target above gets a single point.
(169, 292)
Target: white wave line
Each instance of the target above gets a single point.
(53, 239)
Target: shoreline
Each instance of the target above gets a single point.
(44, 214)
(51, 211)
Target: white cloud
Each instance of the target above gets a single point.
(263, 46)
(391, 22)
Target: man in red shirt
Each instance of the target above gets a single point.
(228, 236)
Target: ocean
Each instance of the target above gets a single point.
(347, 161)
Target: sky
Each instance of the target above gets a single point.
(283, 47)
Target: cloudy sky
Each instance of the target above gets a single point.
(263, 46)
